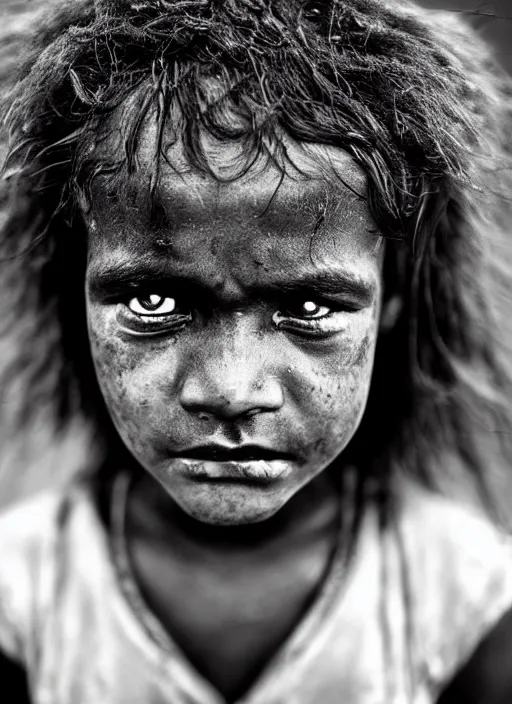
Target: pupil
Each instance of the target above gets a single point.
(152, 302)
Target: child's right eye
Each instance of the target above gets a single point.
(152, 305)
(153, 313)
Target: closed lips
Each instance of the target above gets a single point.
(219, 453)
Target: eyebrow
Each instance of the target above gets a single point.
(120, 278)
(330, 282)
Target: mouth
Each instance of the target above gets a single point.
(222, 453)
(250, 464)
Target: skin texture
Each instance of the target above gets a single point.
(238, 361)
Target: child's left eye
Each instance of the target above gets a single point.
(153, 304)
(310, 318)
(306, 310)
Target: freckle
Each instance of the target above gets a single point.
(214, 247)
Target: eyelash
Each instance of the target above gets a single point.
(170, 321)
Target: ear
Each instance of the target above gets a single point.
(390, 312)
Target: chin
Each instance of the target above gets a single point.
(229, 508)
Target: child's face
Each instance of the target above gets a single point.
(241, 317)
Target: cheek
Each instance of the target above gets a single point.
(128, 381)
(337, 391)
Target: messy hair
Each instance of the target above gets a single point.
(413, 97)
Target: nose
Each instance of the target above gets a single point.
(230, 378)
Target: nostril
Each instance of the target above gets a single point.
(225, 413)
(216, 398)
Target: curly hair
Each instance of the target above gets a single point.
(413, 96)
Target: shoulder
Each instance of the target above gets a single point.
(31, 537)
(451, 532)
(460, 577)
(456, 541)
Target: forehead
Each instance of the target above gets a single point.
(308, 210)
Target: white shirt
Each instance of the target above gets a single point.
(73, 616)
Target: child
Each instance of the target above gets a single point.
(250, 240)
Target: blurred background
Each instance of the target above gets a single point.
(36, 462)
(492, 18)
